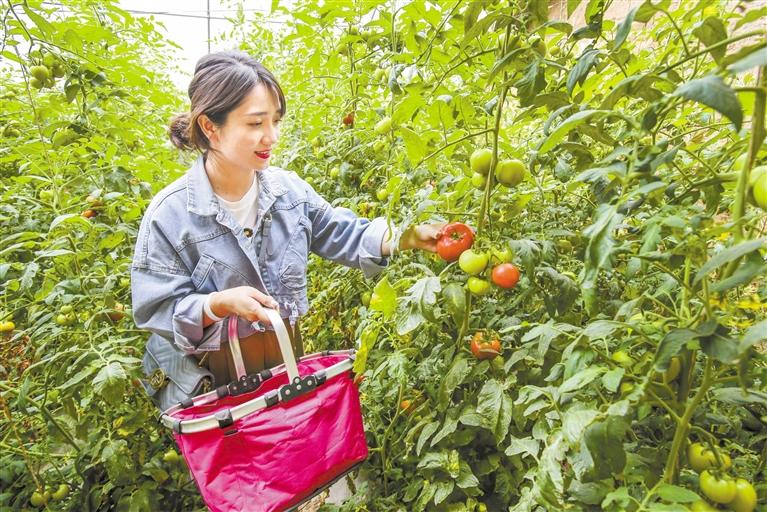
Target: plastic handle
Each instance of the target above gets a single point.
(283, 339)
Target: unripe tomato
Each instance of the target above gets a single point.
(41, 73)
(503, 254)
(702, 506)
(379, 146)
(626, 388)
(745, 496)
(454, 238)
(478, 180)
(702, 458)
(510, 173)
(382, 194)
(478, 286)
(61, 319)
(485, 346)
(622, 358)
(720, 489)
(61, 493)
(505, 275)
(365, 298)
(472, 262)
(383, 126)
(37, 499)
(66, 309)
(335, 172)
(171, 456)
(760, 192)
(480, 161)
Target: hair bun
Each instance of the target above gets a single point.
(178, 131)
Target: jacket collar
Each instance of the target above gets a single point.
(202, 201)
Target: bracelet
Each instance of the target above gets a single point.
(208, 311)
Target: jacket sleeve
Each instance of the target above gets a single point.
(164, 298)
(340, 236)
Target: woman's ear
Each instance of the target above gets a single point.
(207, 127)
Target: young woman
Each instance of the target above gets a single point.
(232, 236)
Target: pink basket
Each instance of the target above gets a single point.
(272, 440)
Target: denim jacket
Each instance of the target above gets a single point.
(189, 246)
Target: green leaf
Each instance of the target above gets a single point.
(602, 454)
(581, 379)
(676, 494)
(580, 71)
(738, 396)
(575, 422)
(426, 433)
(455, 302)
(384, 298)
(494, 407)
(368, 340)
(466, 478)
(711, 31)
(754, 334)
(109, 381)
(670, 346)
(753, 60)
(648, 9)
(571, 6)
(442, 491)
(567, 126)
(623, 29)
(414, 145)
(417, 305)
(458, 371)
(745, 273)
(727, 256)
(713, 92)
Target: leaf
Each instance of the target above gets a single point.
(623, 29)
(648, 9)
(755, 59)
(414, 145)
(426, 433)
(602, 454)
(109, 381)
(416, 306)
(742, 276)
(601, 328)
(571, 6)
(676, 494)
(612, 379)
(711, 31)
(442, 491)
(494, 407)
(527, 446)
(368, 339)
(727, 256)
(454, 377)
(567, 126)
(754, 334)
(480, 27)
(384, 298)
(466, 478)
(737, 396)
(713, 92)
(580, 71)
(455, 302)
(581, 379)
(718, 344)
(670, 346)
(575, 422)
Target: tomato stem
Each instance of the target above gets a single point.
(680, 434)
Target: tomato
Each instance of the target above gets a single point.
(365, 298)
(702, 506)
(89, 213)
(702, 458)
(478, 180)
(505, 275)
(472, 262)
(379, 146)
(745, 496)
(335, 172)
(480, 161)
(485, 346)
(61, 493)
(760, 192)
(37, 499)
(503, 254)
(510, 173)
(40, 72)
(537, 44)
(171, 456)
(382, 194)
(7, 326)
(478, 286)
(626, 388)
(405, 405)
(622, 358)
(118, 312)
(674, 367)
(720, 489)
(358, 379)
(348, 119)
(383, 126)
(756, 173)
(454, 238)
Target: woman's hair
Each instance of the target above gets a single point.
(221, 81)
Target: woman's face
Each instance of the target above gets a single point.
(246, 139)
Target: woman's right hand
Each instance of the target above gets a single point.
(244, 301)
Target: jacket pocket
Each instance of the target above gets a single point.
(295, 258)
(172, 376)
(210, 275)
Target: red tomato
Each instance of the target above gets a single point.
(349, 119)
(485, 348)
(505, 275)
(454, 238)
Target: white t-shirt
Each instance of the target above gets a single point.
(244, 209)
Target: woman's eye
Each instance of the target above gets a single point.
(254, 124)
(277, 121)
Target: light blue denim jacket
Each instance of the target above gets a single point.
(189, 246)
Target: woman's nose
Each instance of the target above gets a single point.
(271, 133)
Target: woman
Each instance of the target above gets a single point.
(232, 236)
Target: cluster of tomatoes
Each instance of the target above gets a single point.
(455, 244)
(736, 494)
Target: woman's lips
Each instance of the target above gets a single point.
(263, 154)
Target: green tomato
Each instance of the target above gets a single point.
(720, 489)
(674, 367)
(622, 358)
(41, 73)
(740, 162)
(61, 493)
(626, 388)
(756, 173)
(472, 262)
(480, 161)
(702, 506)
(700, 457)
(760, 192)
(379, 146)
(383, 126)
(503, 254)
(382, 194)
(171, 456)
(365, 298)
(510, 173)
(66, 309)
(335, 172)
(478, 286)
(745, 496)
(37, 499)
(61, 319)
(478, 180)
(46, 195)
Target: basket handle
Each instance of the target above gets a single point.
(286, 347)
